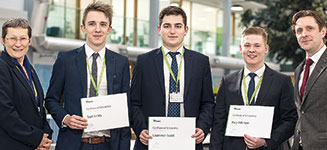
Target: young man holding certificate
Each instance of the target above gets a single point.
(255, 84)
(88, 71)
(171, 81)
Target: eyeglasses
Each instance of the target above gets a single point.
(21, 40)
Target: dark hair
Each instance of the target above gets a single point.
(99, 6)
(303, 13)
(14, 23)
(256, 31)
(172, 10)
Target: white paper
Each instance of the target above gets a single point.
(255, 121)
(171, 133)
(105, 112)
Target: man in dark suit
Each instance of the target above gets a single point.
(90, 70)
(23, 124)
(310, 82)
(269, 88)
(187, 71)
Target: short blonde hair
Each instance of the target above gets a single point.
(256, 31)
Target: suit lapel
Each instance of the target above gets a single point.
(22, 79)
(238, 87)
(80, 60)
(319, 68)
(158, 61)
(110, 70)
(20, 76)
(188, 63)
(38, 88)
(265, 85)
(297, 74)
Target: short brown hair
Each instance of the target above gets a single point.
(99, 6)
(172, 10)
(303, 13)
(256, 31)
(14, 23)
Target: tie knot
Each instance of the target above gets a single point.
(173, 54)
(309, 62)
(95, 56)
(252, 75)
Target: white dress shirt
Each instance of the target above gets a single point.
(102, 89)
(167, 76)
(258, 73)
(315, 59)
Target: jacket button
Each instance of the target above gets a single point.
(302, 112)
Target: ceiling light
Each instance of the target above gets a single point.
(236, 8)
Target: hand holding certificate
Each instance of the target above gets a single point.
(171, 133)
(255, 121)
(105, 112)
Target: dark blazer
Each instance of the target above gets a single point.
(22, 125)
(312, 111)
(276, 90)
(68, 84)
(148, 91)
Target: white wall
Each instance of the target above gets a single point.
(11, 9)
(12, 4)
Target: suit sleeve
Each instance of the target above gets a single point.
(288, 114)
(220, 115)
(138, 120)
(55, 91)
(125, 133)
(205, 119)
(9, 117)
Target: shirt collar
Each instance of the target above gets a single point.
(317, 55)
(259, 72)
(89, 51)
(166, 50)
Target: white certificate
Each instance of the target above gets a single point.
(255, 121)
(105, 112)
(171, 133)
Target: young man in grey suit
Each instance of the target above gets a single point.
(166, 70)
(255, 84)
(90, 70)
(310, 82)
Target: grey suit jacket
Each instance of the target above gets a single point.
(312, 111)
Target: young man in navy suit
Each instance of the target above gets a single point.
(269, 88)
(171, 69)
(91, 70)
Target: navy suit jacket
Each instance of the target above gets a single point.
(68, 85)
(22, 125)
(276, 90)
(148, 91)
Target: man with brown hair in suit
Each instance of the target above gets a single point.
(310, 82)
(272, 89)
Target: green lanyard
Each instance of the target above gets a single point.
(255, 91)
(34, 89)
(93, 83)
(169, 67)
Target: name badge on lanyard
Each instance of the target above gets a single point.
(176, 97)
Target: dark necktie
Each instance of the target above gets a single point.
(94, 70)
(251, 88)
(173, 108)
(308, 63)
